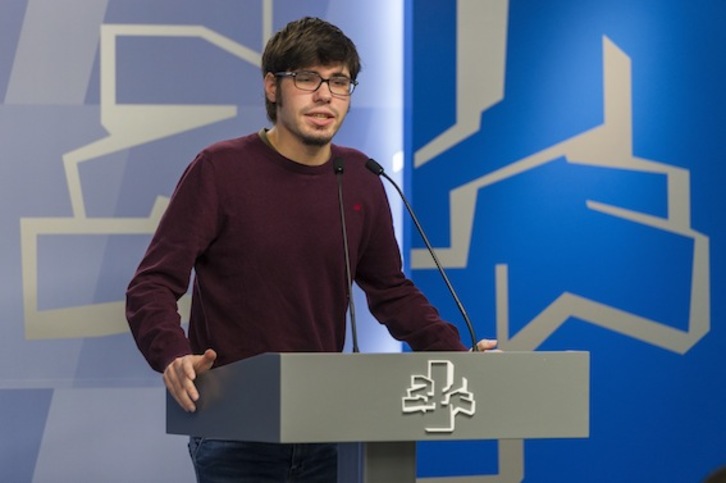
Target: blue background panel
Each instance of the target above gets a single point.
(656, 405)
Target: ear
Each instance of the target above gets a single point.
(270, 82)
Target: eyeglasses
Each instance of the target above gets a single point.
(339, 85)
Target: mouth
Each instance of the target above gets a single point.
(320, 118)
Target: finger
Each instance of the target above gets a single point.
(171, 380)
(186, 368)
(206, 361)
(182, 398)
(187, 374)
(486, 344)
(180, 384)
(172, 386)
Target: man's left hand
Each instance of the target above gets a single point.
(486, 345)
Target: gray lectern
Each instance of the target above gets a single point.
(387, 402)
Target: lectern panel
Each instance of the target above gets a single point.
(392, 397)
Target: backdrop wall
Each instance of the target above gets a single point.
(104, 102)
(567, 159)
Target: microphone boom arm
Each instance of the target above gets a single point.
(377, 169)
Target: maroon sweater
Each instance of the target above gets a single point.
(263, 236)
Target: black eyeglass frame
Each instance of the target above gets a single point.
(294, 74)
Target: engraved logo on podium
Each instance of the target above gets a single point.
(439, 397)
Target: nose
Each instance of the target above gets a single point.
(324, 93)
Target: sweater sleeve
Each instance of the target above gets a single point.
(392, 298)
(162, 278)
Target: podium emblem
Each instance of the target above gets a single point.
(439, 397)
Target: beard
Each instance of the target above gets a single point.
(310, 136)
(316, 141)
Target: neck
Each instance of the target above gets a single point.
(295, 150)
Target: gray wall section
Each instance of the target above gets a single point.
(23, 413)
(56, 50)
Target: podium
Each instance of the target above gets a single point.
(385, 403)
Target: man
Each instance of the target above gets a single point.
(257, 218)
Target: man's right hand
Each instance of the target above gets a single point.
(180, 374)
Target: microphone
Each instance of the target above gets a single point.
(377, 169)
(338, 168)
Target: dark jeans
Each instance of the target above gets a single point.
(221, 461)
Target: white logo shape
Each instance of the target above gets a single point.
(425, 396)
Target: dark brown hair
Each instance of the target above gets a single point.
(307, 42)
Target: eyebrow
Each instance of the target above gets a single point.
(336, 73)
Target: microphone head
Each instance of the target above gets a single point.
(374, 167)
(338, 165)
